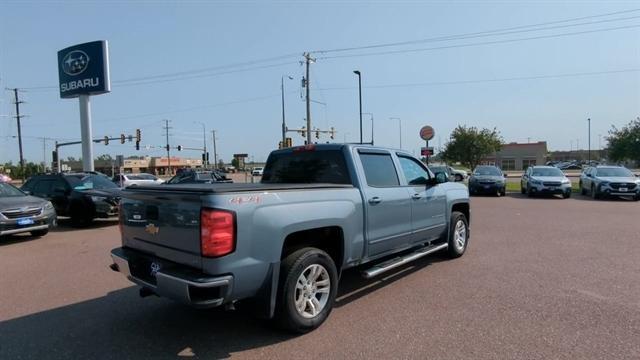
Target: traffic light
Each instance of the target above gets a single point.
(317, 134)
(332, 132)
(179, 147)
(138, 135)
(167, 147)
(280, 144)
(204, 158)
(54, 156)
(137, 145)
(106, 140)
(122, 138)
(207, 157)
(303, 132)
(288, 142)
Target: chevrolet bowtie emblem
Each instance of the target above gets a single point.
(152, 229)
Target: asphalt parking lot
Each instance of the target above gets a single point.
(542, 279)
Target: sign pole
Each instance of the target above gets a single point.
(85, 130)
(427, 155)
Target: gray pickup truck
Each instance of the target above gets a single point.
(282, 244)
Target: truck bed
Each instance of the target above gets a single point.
(225, 188)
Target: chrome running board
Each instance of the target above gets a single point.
(399, 261)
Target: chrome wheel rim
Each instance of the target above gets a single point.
(460, 235)
(312, 291)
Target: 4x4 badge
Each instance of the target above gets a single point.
(152, 229)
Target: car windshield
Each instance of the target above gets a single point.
(141, 177)
(82, 182)
(546, 172)
(614, 172)
(8, 190)
(488, 170)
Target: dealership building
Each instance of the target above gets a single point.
(518, 156)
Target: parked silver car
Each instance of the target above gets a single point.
(599, 181)
(20, 213)
(545, 180)
(124, 180)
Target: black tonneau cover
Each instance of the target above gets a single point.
(222, 188)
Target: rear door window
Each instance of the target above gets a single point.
(379, 170)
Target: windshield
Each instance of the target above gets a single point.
(8, 190)
(614, 172)
(546, 172)
(141, 177)
(487, 170)
(302, 167)
(438, 169)
(81, 182)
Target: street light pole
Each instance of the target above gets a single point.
(589, 122)
(357, 72)
(204, 141)
(399, 128)
(284, 124)
(370, 114)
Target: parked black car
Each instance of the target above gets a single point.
(488, 180)
(81, 196)
(198, 177)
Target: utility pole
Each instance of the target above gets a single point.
(215, 152)
(357, 72)
(284, 124)
(166, 128)
(307, 83)
(18, 117)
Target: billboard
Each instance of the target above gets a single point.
(83, 69)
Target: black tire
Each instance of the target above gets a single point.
(455, 251)
(522, 190)
(566, 195)
(594, 193)
(293, 266)
(503, 192)
(636, 198)
(529, 193)
(39, 233)
(583, 191)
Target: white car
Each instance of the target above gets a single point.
(257, 171)
(124, 180)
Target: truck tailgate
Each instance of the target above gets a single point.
(163, 223)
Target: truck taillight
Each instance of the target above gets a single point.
(217, 232)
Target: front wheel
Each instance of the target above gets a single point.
(566, 195)
(583, 191)
(458, 234)
(594, 193)
(307, 290)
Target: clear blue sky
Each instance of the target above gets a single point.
(155, 38)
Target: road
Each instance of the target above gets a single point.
(542, 279)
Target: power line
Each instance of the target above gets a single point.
(494, 32)
(391, 52)
(461, 82)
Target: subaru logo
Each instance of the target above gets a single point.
(75, 62)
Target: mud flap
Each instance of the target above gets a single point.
(264, 303)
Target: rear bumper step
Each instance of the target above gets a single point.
(399, 261)
(176, 283)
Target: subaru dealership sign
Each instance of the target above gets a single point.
(84, 69)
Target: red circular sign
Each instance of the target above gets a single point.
(427, 133)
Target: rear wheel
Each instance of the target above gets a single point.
(458, 234)
(80, 217)
(307, 290)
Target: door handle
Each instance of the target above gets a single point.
(416, 196)
(375, 200)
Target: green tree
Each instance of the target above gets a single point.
(104, 157)
(624, 144)
(235, 163)
(469, 145)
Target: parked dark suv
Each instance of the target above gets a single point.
(81, 196)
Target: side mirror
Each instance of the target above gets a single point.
(505, 175)
(441, 178)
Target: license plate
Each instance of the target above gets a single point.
(25, 221)
(487, 186)
(552, 188)
(623, 189)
